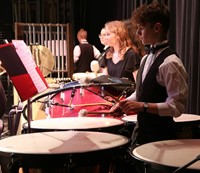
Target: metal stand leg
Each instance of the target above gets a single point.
(29, 109)
(146, 166)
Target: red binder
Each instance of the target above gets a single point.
(25, 75)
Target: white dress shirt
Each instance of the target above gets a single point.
(77, 51)
(173, 76)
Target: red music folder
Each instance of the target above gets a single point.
(25, 75)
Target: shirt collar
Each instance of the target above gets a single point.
(83, 41)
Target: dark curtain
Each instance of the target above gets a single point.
(188, 46)
(92, 15)
(184, 33)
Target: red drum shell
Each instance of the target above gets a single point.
(88, 98)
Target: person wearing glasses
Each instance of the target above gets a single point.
(106, 48)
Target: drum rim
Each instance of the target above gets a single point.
(176, 119)
(158, 165)
(8, 149)
(94, 119)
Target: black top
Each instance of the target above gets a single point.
(125, 67)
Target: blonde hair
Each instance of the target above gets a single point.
(117, 27)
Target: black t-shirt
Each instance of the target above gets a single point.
(125, 67)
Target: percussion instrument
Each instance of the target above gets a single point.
(76, 123)
(182, 118)
(71, 98)
(43, 57)
(169, 155)
(55, 82)
(84, 77)
(77, 97)
(187, 124)
(66, 150)
(187, 118)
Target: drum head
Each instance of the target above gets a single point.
(187, 118)
(169, 153)
(68, 142)
(71, 151)
(74, 123)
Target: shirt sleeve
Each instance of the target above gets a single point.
(173, 76)
(132, 97)
(96, 52)
(77, 53)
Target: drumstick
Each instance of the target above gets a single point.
(84, 112)
(88, 104)
(94, 104)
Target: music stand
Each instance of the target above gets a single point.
(25, 75)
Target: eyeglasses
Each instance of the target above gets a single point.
(104, 35)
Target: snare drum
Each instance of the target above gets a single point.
(77, 97)
(76, 123)
(64, 151)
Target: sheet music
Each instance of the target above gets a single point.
(27, 59)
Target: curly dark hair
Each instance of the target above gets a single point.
(152, 13)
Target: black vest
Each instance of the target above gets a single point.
(86, 57)
(152, 127)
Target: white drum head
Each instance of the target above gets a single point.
(187, 118)
(182, 118)
(74, 123)
(62, 142)
(174, 153)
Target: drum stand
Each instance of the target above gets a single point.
(29, 113)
